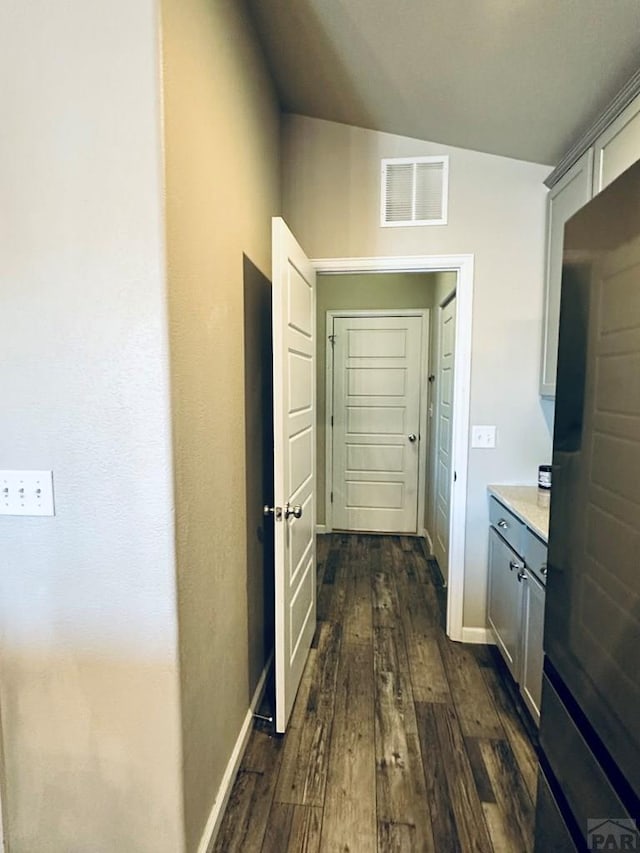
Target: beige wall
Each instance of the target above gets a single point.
(497, 213)
(222, 187)
(88, 636)
(358, 292)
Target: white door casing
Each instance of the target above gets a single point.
(294, 393)
(444, 424)
(462, 265)
(377, 372)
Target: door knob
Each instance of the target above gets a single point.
(276, 511)
(295, 511)
(413, 437)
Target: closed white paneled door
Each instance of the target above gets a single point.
(294, 352)
(376, 431)
(444, 420)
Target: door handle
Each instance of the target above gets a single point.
(295, 511)
(276, 511)
(413, 437)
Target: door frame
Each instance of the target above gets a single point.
(463, 266)
(331, 314)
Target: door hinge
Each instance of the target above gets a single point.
(331, 420)
(332, 338)
(331, 497)
(455, 476)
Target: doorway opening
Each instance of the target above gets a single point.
(443, 419)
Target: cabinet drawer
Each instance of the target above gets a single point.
(534, 551)
(507, 524)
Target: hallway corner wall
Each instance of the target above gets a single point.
(222, 170)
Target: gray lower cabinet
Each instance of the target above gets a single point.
(505, 599)
(533, 597)
(515, 611)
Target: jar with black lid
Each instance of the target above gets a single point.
(544, 477)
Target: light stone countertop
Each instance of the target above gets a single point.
(529, 503)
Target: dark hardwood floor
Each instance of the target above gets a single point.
(400, 740)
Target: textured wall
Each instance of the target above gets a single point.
(497, 213)
(88, 635)
(222, 187)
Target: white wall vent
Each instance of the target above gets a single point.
(414, 191)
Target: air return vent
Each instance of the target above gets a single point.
(414, 191)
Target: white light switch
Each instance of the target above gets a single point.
(483, 436)
(26, 493)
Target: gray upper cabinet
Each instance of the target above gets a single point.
(571, 192)
(618, 147)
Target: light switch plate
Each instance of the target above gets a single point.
(26, 493)
(483, 436)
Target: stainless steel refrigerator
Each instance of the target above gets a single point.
(589, 781)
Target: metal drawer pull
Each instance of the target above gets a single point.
(522, 575)
(502, 524)
(514, 564)
(543, 570)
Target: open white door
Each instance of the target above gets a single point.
(294, 399)
(444, 473)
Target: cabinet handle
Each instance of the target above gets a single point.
(522, 575)
(514, 564)
(502, 524)
(543, 570)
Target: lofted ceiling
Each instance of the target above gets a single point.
(520, 78)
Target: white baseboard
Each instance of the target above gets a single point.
(224, 792)
(321, 528)
(427, 538)
(478, 635)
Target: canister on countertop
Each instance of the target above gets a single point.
(544, 477)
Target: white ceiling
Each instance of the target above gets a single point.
(521, 78)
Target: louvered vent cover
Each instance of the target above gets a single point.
(414, 191)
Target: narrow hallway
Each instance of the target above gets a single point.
(400, 740)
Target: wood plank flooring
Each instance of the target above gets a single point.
(399, 740)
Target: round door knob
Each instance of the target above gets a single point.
(295, 511)
(275, 511)
(413, 437)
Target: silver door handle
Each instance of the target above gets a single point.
(522, 575)
(502, 524)
(514, 564)
(413, 437)
(276, 511)
(295, 511)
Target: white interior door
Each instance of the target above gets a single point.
(376, 433)
(444, 415)
(294, 353)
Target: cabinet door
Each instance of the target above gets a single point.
(532, 631)
(504, 605)
(571, 192)
(618, 147)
